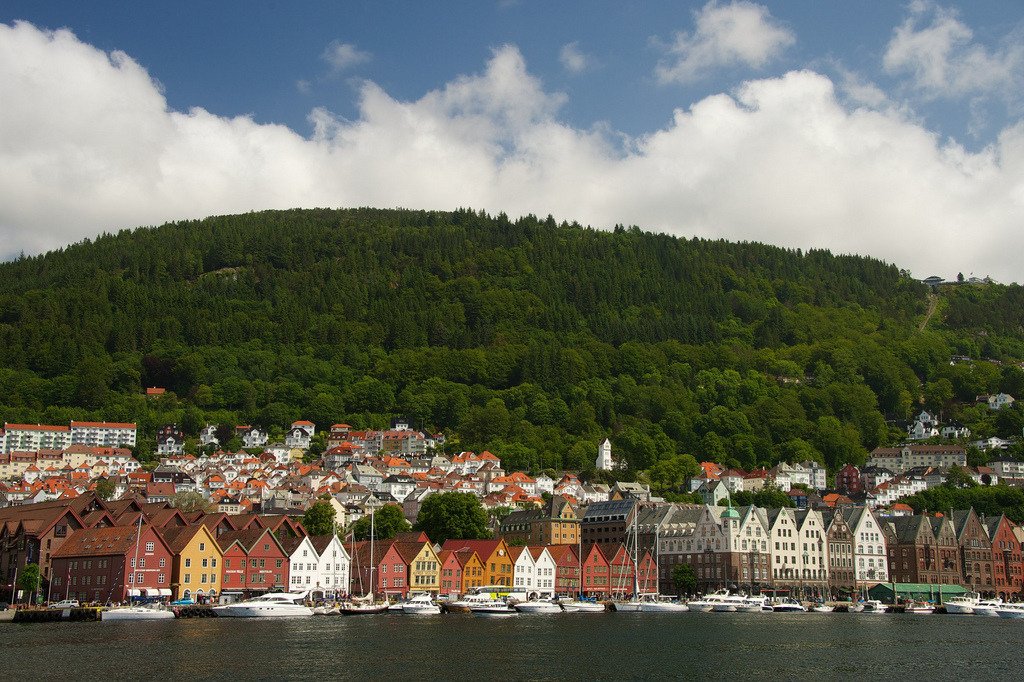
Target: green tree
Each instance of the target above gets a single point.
(190, 501)
(957, 477)
(28, 579)
(453, 516)
(685, 579)
(319, 518)
(669, 475)
(771, 497)
(388, 521)
(105, 489)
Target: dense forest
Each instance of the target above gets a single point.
(530, 338)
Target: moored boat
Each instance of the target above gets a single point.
(873, 606)
(962, 605)
(421, 605)
(987, 607)
(661, 604)
(272, 605)
(492, 609)
(919, 608)
(1014, 610)
(535, 606)
(822, 608)
(788, 605)
(754, 604)
(137, 613)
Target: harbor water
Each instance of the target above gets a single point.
(614, 646)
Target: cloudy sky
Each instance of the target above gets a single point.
(895, 130)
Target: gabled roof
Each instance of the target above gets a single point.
(102, 541)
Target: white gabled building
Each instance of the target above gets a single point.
(544, 571)
(333, 564)
(319, 564)
(300, 434)
(869, 555)
(523, 570)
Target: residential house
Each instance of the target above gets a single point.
(869, 555)
(498, 566)
(556, 523)
(975, 551)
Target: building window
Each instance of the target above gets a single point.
(150, 546)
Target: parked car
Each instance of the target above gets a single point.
(65, 604)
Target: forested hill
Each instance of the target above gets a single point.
(530, 338)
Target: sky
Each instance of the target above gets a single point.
(894, 130)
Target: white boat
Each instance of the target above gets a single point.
(421, 605)
(962, 605)
(726, 603)
(1014, 610)
(576, 606)
(538, 606)
(987, 607)
(855, 607)
(661, 604)
(754, 605)
(494, 608)
(707, 602)
(272, 605)
(873, 606)
(788, 606)
(822, 608)
(919, 608)
(137, 613)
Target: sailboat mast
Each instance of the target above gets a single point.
(373, 560)
(135, 561)
(636, 547)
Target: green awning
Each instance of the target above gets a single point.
(919, 591)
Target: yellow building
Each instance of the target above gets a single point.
(493, 554)
(424, 566)
(198, 562)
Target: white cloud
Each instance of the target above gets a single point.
(938, 52)
(341, 56)
(303, 86)
(740, 33)
(573, 60)
(89, 145)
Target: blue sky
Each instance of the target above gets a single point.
(880, 128)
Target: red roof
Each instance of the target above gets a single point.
(35, 427)
(108, 425)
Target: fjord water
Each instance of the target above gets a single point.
(559, 647)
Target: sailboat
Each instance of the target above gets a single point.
(149, 612)
(633, 605)
(365, 606)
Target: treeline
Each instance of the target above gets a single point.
(530, 338)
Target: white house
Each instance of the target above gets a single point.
(798, 548)
(869, 557)
(208, 435)
(333, 564)
(252, 437)
(544, 571)
(999, 401)
(544, 484)
(300, 435)
(524, 569)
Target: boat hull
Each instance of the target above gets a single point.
(136, 614)
(421, 610)
(538, 607)
(664, 608)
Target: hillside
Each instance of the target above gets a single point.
(529, 338)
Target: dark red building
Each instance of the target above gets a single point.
(849, 481)
(254, 563)
(111, 565)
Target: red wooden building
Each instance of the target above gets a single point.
(254, 563)
(99, 565)
(596, 572)
(567, 569)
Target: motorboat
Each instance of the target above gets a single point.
(271, 605)
(754, 604)
(727, 603)
(661, 604)
(326, 610)
(1014, 610)
(153, 612)
(854, 607)
(494, 608)
(987, 607)
(919, 608)
(707, 602)
(538, 606)
(873, 606)
(582, 606)
(421, 605)
(788, 605)
(363, 608)
(822, 608)
(962, 605)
